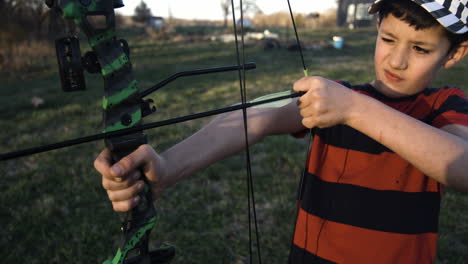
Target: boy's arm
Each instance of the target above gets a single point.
(222, 137)
(439, 153)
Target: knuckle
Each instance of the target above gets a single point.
(99, 165)
(123, 206)
(136, 188)
(144, 148)
(318, 107)
(96, 163)
(118, 207)
(126, 163)
(314, 81)
(105, 183)
(303, 112)
(126, 206)
(111, 196)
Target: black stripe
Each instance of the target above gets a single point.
(367, 88)
(441, 13)
(343, 136)
(447, 3)
(460, 9)
(389, 211)
(453, 103)
(346, 137)
(456, 27)
(301, 256)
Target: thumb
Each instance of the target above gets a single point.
(129, 163)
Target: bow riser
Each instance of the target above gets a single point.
(122, 107)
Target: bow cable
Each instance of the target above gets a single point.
(312, 132)
(242, 84)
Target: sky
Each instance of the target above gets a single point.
(211, 9)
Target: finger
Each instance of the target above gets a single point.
(309, 122)
(305, 101)
(103, 163)
(112, 185)
(126, 194)
(307, 112)
(125, 206)
(301, 85)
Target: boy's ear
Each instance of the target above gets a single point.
(457, 55)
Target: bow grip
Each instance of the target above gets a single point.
(141, 219)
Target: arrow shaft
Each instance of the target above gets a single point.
(72, 142)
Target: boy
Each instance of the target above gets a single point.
(380, 159)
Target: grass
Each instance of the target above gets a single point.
(54, 210)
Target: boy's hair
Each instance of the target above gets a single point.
(417, 17)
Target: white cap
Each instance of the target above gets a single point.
(451, 14)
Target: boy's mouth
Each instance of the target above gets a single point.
(392, 77)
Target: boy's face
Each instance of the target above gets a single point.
(406, 60)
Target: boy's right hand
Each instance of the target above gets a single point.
(123, 181)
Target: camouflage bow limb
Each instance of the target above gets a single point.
(123, 108)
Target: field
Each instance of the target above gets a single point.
(54, 210)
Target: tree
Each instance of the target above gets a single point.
(226, 7)
(22, 19)
(142, 13)
(249, 7)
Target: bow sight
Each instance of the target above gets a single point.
(123, 106)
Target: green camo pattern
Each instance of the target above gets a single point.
(120, 256)
(115, 65)
(76, 11)
(108, 102)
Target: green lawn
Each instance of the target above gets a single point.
(53, 209)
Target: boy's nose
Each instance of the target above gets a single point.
(399, 59)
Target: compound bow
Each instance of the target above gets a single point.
(124, 108)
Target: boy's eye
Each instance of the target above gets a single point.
(421, 50)
(387, 40)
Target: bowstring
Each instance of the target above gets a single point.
(312, 132)
(242, 84)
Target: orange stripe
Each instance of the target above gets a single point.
(449, 118)
(423, 105)
(379, 172)
(348, 244)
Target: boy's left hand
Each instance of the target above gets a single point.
(325, 104)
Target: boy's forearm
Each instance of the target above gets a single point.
(224, 136)
(219, 139)
(436, 153)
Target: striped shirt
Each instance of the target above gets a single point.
(363, 203)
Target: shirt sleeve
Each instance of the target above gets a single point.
(453, 111)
